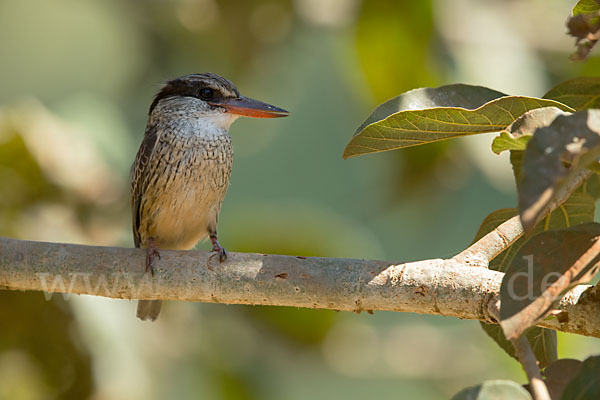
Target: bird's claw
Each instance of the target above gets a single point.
(220, 251)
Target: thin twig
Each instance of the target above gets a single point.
(482, 252)
(528, 361)
(526, 357)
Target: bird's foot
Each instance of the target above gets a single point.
(218, 249)
(151, 254)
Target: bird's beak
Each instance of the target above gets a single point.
(248, 107)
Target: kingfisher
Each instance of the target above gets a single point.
(181, 171)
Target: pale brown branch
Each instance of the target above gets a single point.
(482, 252)
(438, 287)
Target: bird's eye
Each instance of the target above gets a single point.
(207, 93)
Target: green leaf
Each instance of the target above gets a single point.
(517, 135)
(516, 161)
(570, 139)
(586, 385)
(526, 294)
(494, 390)
(558, 375)
(543, 342)
(579, 93)
(594, 167)
(506, 141)
(527, 123)
(578, 209)
(410, 121)
(586, 7)
(592, 184)
(457, 95)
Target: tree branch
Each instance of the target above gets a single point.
(480, 253)
(438, 287)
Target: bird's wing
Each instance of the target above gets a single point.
(139, 178)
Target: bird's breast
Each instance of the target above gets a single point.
(206, 160)
(190, 176)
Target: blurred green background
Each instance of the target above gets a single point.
(77, 78)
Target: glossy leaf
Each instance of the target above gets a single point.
(543, 342)
(578, 209)
(558, 375)
(570, 139)
(428, 115)
(494, 390)
(527, 294)
(586, 7)
(456, 95)
(517, 135)
(516, 161)
(579, 93)
(506, 141)
(586, 385)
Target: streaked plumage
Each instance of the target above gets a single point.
(182, 168)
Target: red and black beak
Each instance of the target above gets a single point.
(248, 107)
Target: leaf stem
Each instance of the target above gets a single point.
(529, 363)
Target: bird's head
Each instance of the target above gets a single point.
(214, 96)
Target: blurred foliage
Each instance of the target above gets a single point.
(233, 387)
(584, 25)
(77, 78)
(41, 351)
(28, 186)
(42, 354)
(292, 323)
(403, 32)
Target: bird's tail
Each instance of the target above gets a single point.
(148, 309)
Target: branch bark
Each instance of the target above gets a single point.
(482, 252)
(438, 287)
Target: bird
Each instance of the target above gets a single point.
(181, 171)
